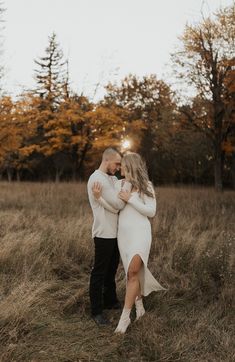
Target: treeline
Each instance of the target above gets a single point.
(52, 133)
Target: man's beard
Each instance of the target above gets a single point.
(109, 172)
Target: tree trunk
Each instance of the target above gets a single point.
(82, 158)
(58, 174)
(18, 175)
(195, 164)
(218, 166)
(74, 169)
(233, 170)
(9, 174)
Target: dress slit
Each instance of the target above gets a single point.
(146, 278)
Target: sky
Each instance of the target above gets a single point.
(104, 40)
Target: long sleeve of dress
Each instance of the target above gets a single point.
(106, 205)
(147, 207)
(122, 185)
(113, 199)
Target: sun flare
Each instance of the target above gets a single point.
(126, 144)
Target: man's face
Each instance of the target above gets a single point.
(114, 164)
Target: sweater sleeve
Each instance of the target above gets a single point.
(113, 199)
(122, 185)
(106, 205)
(147, 207)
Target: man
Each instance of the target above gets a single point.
(102, 288)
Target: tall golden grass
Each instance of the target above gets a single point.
(46, 255)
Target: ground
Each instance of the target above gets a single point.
(46, 256)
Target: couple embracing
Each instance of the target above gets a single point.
(121, 227)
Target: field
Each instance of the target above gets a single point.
(46, 254)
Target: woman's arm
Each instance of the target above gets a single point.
(122, 185)
(106, 205)
(148, 208)
(112, 198)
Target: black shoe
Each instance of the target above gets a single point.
(116, 305)
(101, 320)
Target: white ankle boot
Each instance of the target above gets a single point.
(139, 308)
(124, 321)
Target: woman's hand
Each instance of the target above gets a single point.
(97, 190)
(124, 195)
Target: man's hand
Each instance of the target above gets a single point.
(97, 190)
(124, 195)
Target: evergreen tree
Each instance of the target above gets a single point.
(50, 76)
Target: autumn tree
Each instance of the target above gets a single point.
(187, 155)
(30, 114)
(229, 141)
(68, 136)
(53, 89)
(150, 101)
(9, 140)
(205, 61)
(15, 129)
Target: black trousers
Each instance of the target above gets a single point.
(102, 288)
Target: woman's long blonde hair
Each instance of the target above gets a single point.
(136, 173)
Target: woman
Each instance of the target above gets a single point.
(134, 235)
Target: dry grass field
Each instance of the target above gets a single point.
(46, 254)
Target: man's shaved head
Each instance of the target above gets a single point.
(109, 153)
(111, 161)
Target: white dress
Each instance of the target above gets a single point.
(135, 236)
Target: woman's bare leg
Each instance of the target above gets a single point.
(133, 284)
(140, 311)
(132, 290)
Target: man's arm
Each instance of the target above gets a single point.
(94, 192)
(112, 197)
(106, 205)
(114, 200)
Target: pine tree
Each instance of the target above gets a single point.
(51, 74)
(53, 89)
